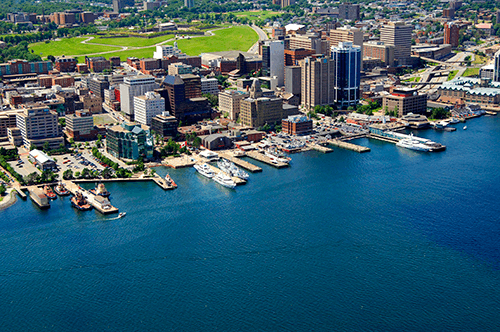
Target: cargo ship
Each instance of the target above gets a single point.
(47, 190)
(61, 190)
(79, 202)
(100, 190)
(38, 196)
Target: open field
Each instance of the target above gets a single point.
(68, 46)
(131, 41)
(256, 15)
(471, 72)
(479, 60)
(140, 53)
(239, 38)
(103, 119)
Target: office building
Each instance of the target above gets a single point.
(97, 64)
(404, 101)
(349, 11)
(496, 73)
(130, 141)
(273, 58)
(164, 125)
(230, 103)
(209, 85)
(97, 84)
(38, 125)
(451, 34)
(80, 126)
(7, 120)
(189, 3)
(297, 125)
(347, 78)
(398, 34)
(378, 50)
(317, 81)
(347, 34)
(131, 87)
(20, 67)
(65, 64)
(309, 41)
(148, 106)
(179, 68)
(118, 5)
(166, 51)
(293, 56)
(293, 79)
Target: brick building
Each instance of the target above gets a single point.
(65, 64)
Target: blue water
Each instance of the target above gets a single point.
(391, 240)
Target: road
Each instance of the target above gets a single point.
(262, 36)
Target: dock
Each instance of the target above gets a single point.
(321, 148)
(265, 159)
(349, 146)
(383, 138)
(242, 163)
(99, 203)
(156, 179)
(236, 180)
(21, 193)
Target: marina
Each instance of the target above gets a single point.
(235, 179)
(241, 163)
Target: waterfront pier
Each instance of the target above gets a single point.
(348, 146)
(99, 203)
(236, 180)
(321, 148)
(242, 163)
(265, 159)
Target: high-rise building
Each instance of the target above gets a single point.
(498, 17)
(97, 84)
(189, 3)
(118, 5)
(404, 101)
(179, 68)
(230, 103)
(256, 110)
(378, 50)
(317, 81)
(164, 125)
(131, 87)
(166, 51)
(347, 34)
(347, 63)
(398, 34)
(273, 60)
(80, 126)
(293, 77)
(349, 11)
(496, 73)
(129, 141)
(148, 106)
(210, 86)
(39, 125)
(286, 3)
(293, 56)
(310, 41)
(451, 34)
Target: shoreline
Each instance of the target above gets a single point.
(8, 200)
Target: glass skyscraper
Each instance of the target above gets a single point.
(347, 73)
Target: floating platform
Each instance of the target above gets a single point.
(348, 146)
(265, 159)
(242, 163)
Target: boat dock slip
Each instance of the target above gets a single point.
(349, 146)
(321, 148)
(242, 163)
(265, 159)
(236, 180)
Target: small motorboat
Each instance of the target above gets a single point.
(122, 214)
(465, 128)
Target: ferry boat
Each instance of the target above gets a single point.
(47, 190)
(100, 190)
(412, 144)
(79, 202)
(224, 180)
(204, 170)
(61, 190)
(169, 181)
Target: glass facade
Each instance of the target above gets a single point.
(347, 62)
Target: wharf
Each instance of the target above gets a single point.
(21, 193)
(91, 198)
(156, 179)
(236, 180)
(179, 162)
(349, 146)
(321, 148)
(242, 163)
(383, 138)
(265, 159)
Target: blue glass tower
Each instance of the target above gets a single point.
(347, 73)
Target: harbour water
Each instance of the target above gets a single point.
(391, 240)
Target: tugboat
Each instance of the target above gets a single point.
(100, 190)
(79, 202)
(169, 181)
(122, 214)
(47, 190)
(61, 190)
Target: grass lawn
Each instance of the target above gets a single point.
(131, 41)
(139, 53)
(255, 15)
(471, 72)
(239, 38)
(68, 46)
(478, 60)
(452, 75)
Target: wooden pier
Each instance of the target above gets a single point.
(265, 159)
(242, 163)
(348, 146)
(383, 138)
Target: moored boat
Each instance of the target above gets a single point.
(204, 170)
(47, 190)
(169, 181)
(413, 144)
(79, 202)
(224, 180)
(100, 190)
(61, 190)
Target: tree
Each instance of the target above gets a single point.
(68, 174)
(196, 142)
(62, 122)
(46, 146)
(2, 190)
(51, 58)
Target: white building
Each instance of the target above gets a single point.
(134, 86)
(179, 68)
(148, 106)
(166, 50)
(273, 60)
(38, 125)
(230, 102)
(209, 85)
